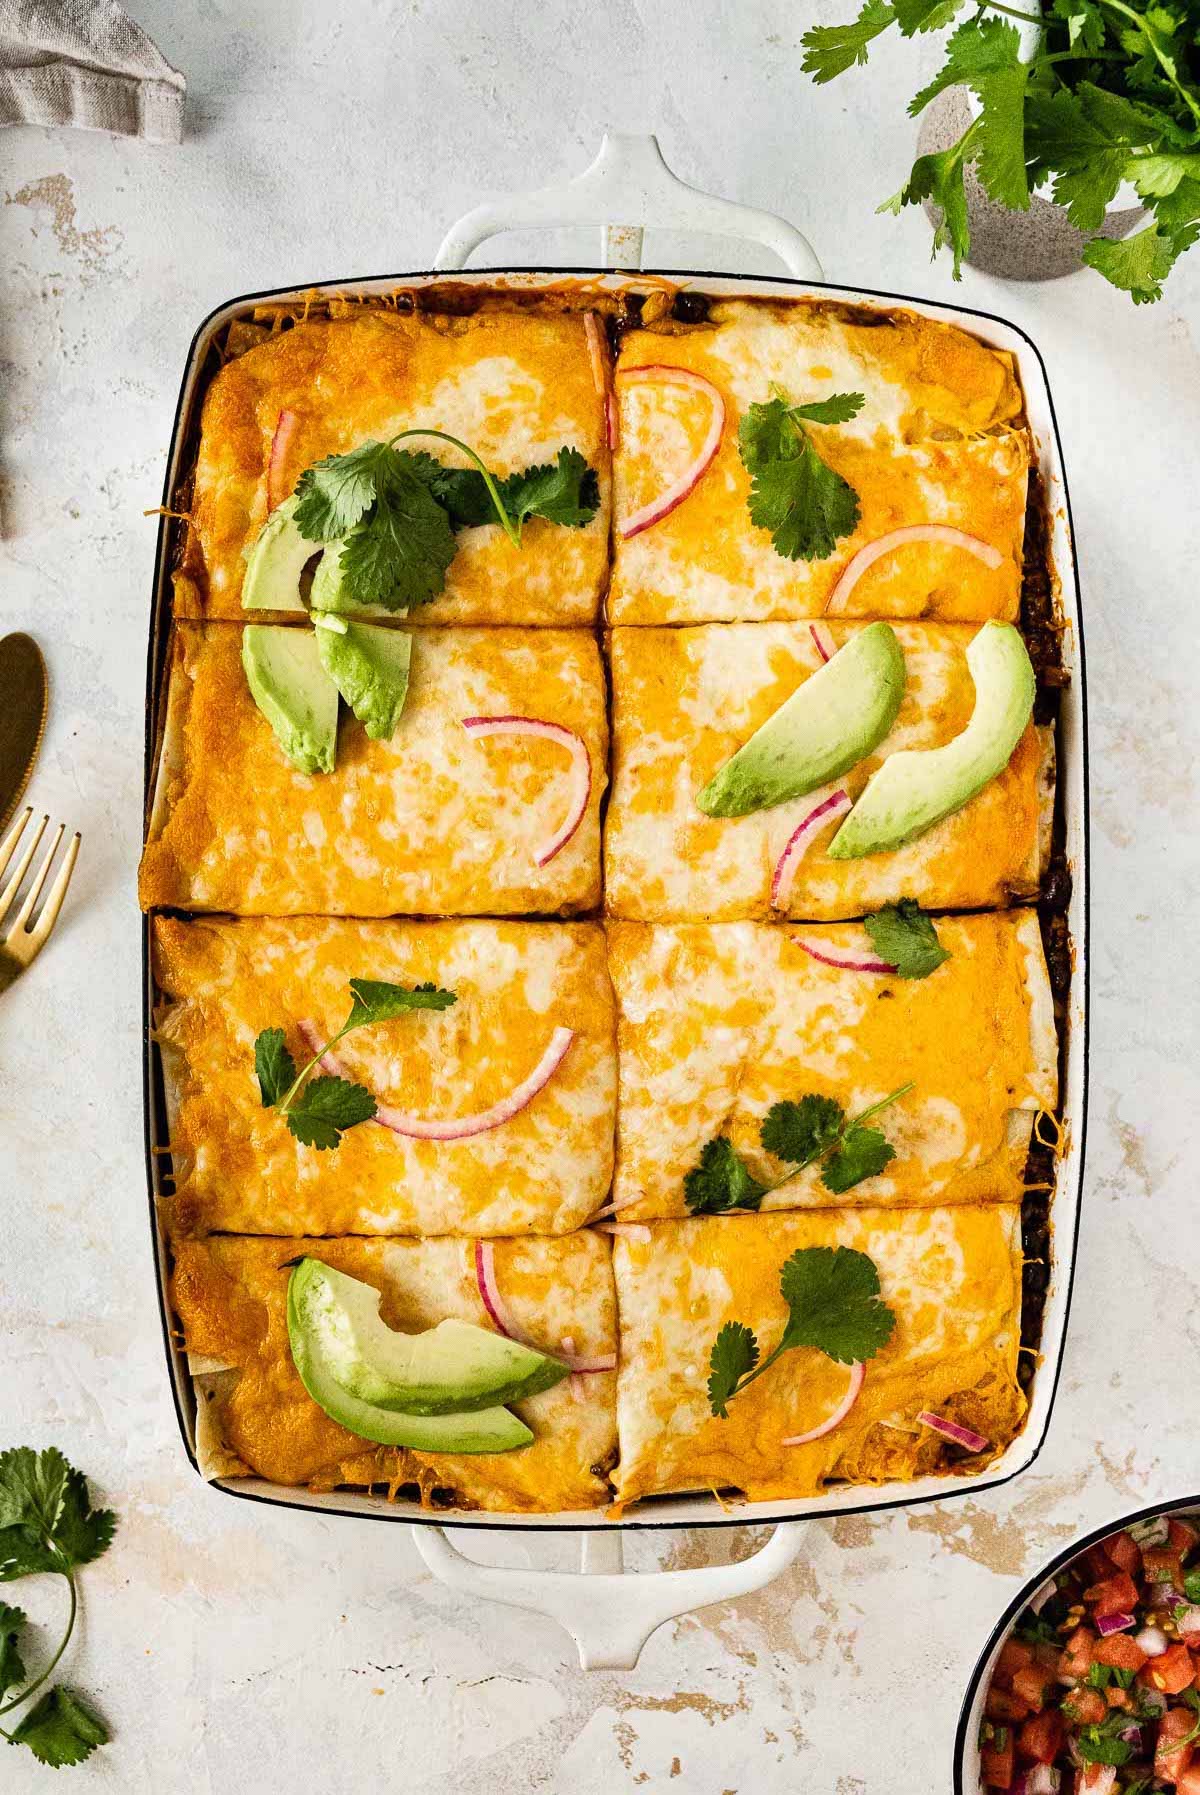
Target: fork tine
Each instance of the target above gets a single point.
(43, 873)
(14, 884)
(56, 894)
(8, 846)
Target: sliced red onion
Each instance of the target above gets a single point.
(1153, 1701)
(883, 545)
(800, 840)
(493, 1302)
(858, 1372)
(457, 1128)
(581, 770)
(844, 962)
(281, 442)
(1151, 1532)
(1151, 1640)
(823, 642)
(615, 1207)
(1132, 1735)
(952, 1430)
(1102, 1780)
(1038, 1602)
(1188, 1622)
(631, 1230)
(1114, 1623)
(666, 502)
(1043, 1779)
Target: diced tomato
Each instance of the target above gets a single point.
(997, 1766)
(1048, 1654)
(1171, 1673)
(1119, 1650)
(1096, 1779)
(1077, 1653)
(1116, 1595)
(1098, 1561)
(1032, 1683)
(1189, 1782)
(1161, 1565)
(1125, 1552)
(1014, 1656)
(1176, 1723)
(1181, 1537)
(1086, 1707)
(1041, 1738)
(1116, 1697)
(1002, 1704)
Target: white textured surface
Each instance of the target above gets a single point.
(235, 1648)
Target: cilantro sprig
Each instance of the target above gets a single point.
(905, 937)
(834, 1305)
(812, 1129)
(395, 512)
(1111, 93)
(319, 1110)
(795, 495)
(47, 1524)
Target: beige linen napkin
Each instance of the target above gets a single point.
(85, 62)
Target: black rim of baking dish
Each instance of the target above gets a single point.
(1169, 1506)
(153, 1098)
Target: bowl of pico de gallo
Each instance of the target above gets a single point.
(1090, 1682)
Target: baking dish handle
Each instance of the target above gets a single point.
(609, 1614)
(628, 187)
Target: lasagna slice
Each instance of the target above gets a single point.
(717, 1023)
(940, 439)
(433, 821)
(517, 387)
(684, 700)
(952, 1278)
(255, 1418)
(542, 1169)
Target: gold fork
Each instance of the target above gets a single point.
(26, 935)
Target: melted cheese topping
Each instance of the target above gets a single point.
(230, 1296)
(516, 387)
(684, 700)
(952, 1278)
(941, 439)
(238, 1168)
(430, 822)
(715, 1024)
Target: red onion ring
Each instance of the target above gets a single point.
(799, 842)
(823, 642)
(952, 1430)
(581, 770)
(858, 1372)
(883, 545)
(843, 962)
(493, 1302)
(666, 502)
(281, 442)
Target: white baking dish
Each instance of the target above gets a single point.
(627, 188)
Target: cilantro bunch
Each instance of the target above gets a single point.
(1111, 94)
(815, 1129)
(834, 1305)
(47, 1524)
(395, 512)
(319, 1110)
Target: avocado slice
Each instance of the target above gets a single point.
(482, 1430)
(915, 788)
(293, 692)
(330, 590)
(828, 725)
(369, 666)
(448, 1370)
(275, 561)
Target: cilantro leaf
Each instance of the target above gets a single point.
(832, 1294)
(977, 49)
(862, 1153)
(81, 1532)
(720, 1182)
(939, 176)
(839, 408)
(566, 491)
(1137, 264)
(805, 505)
(1087, 138)
(798, 1132)
(335, 494)
(12, 1669)
(985, 55)
(273, 1065)
(830, 50)
(1100, 1743)
(46, 1519)
(60, 1729)
(325, 1108)
(1085, 24)
(375, 1000)
(397, 556)
(924, 15)
(905, 937)
(733, 1357)
(31, 1487)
